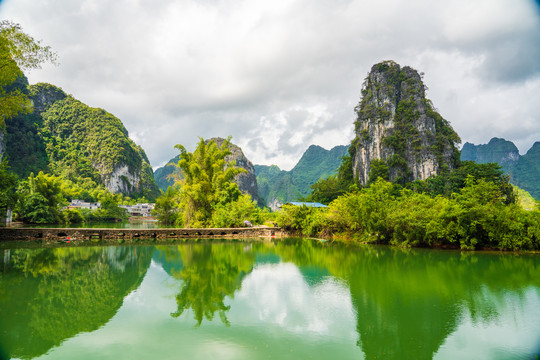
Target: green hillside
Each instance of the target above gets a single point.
(280, 186)
(25, 149)
(63, 136)
(526, 173)
(523, 170)
(164, 175)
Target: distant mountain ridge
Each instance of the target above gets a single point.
(278, 186)
(523, 170)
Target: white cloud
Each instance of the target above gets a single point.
(281, 76)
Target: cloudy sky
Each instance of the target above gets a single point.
(281, 75)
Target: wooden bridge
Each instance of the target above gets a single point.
(81, 235)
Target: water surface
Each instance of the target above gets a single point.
(287, 299)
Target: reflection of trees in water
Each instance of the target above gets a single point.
(209, 274)
(48, 295)
(409, 301)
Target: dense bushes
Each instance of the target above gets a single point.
(40, 199)
(476, 216)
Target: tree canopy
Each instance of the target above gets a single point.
(206, 182)
(18, 51)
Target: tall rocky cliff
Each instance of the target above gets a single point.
(523, 170)
(398, 129)
(65, 137)
(247, 182)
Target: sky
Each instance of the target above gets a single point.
(281, 75)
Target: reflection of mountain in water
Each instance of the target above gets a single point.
(409, 301)
(49, 295)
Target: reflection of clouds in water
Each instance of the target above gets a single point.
(514, 329)
(278, 294)
(155, 293)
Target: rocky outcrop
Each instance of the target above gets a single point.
(398, 129)
(44, 95)
(121, 180)
(247, 182)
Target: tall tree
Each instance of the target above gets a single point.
(206, 183)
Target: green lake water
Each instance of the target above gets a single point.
(288, 299)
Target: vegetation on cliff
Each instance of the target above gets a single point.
(398, 127)
(89, 143)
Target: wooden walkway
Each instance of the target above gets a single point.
(76, 235)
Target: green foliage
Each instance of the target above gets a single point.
(8, 181)
(17, 51)
(109, 208)
(305, 220)
(378, 169)
(40, 199)
(234, 213)
(476, 216)
(167, 175)
(25, 150)
(72, 216)
(452, 182)
(526, 172)
(206, 183)
(35, 210)
(523, 170)
(326, 190)
(525, 199)
(89, 143)
(166, 208)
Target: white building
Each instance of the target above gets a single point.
(139, 209)
(80, 204)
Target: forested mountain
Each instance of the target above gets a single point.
(165, 176)
(63, 136)
(279, 186)
(524, 170)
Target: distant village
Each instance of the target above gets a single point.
(137, 210)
